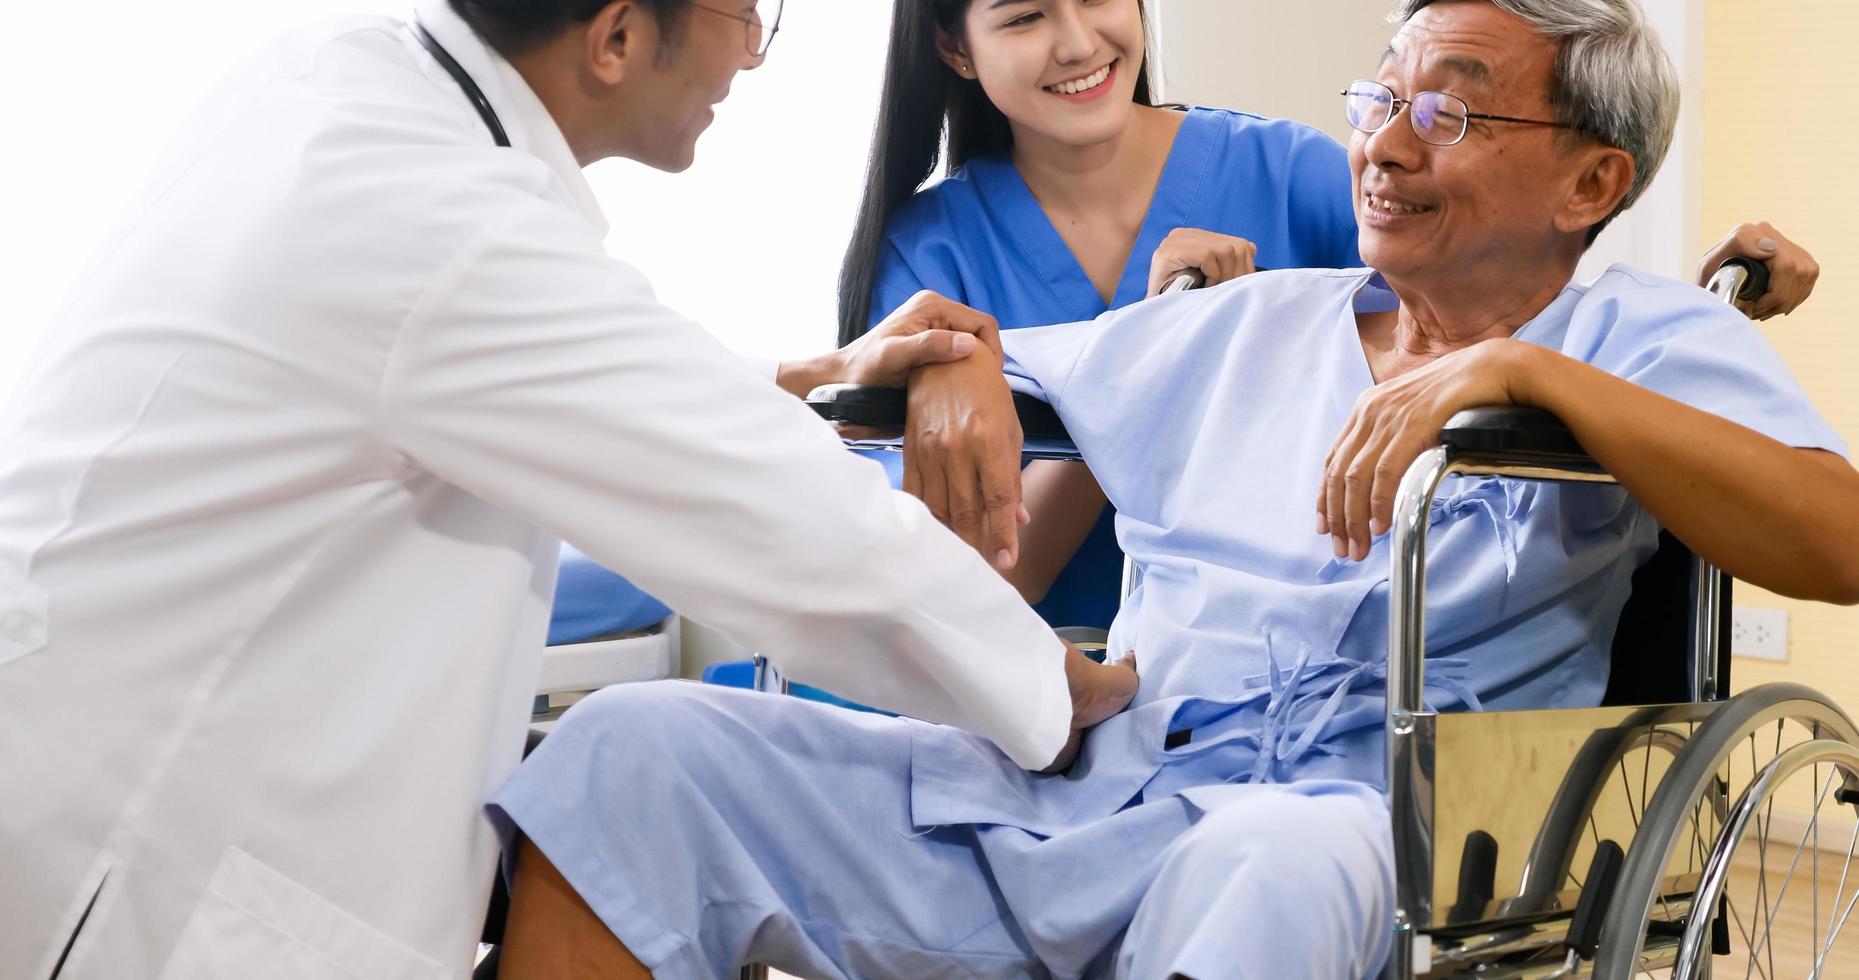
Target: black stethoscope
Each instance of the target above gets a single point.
(463, 78)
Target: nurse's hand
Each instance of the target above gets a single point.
(1098, 691)
(1792, 271)
(962, 453)
(927, 329)
(1397, 420)
(1218, 257)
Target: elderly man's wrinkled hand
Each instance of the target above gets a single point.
(1098, 691)
(1792, 271)
(1397, 420)
(962, 453)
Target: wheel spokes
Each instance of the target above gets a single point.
(1813, 824)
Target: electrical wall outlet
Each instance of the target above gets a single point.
(1759, 634)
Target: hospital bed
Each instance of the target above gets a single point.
(1672, 830)
(570, 669)
(602, 630)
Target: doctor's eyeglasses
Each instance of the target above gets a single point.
(760, 24)
(1437, 118)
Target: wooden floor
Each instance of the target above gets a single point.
(1796, 930)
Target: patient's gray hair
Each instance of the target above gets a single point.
(1613, 81)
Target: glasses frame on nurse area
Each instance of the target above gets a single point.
(760, 31)
(1433, 113)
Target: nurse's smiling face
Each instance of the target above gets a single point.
(1065, 69)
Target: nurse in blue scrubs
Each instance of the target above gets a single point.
(1070, 193)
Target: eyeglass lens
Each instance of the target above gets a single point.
(1436, 117)
(763, 24)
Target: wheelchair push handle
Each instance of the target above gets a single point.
(1183, 281)
(1740, 280)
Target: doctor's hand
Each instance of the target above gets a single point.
(927, 329)
(962, 453)
(1397, 420)
(1098, 691)
(1217, 257)
(1792, 271)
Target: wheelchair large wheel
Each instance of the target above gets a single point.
(1762, 887)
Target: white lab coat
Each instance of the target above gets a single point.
(279, 511)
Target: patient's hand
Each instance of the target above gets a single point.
(962, 453)
(1792, 271)
(1098, 691)
(1397, 420)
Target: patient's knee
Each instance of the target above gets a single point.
(1262, 839)
(1287, 883)
(1297, 842)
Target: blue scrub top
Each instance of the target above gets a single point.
(980, 238)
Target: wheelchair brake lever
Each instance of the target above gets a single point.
(1597, 894)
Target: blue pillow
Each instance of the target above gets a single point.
(591, 602)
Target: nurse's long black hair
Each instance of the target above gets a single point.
(921, 96)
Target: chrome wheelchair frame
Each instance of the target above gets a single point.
(1637, 912)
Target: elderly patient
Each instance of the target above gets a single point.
(1229, 823)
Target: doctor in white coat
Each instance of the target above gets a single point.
(280, 502)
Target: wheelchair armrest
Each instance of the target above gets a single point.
(883, 408)
(865, 405)
(1515, 433)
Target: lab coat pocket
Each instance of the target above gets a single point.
(254, 922)
(22, 614)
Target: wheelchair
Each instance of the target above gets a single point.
(1639, 838)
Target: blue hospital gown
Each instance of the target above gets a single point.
(981, 238)
(835, 844)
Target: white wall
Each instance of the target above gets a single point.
(1271, 57)
(1291, 60)
(93, 91)
(748, 241)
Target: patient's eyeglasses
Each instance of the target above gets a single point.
(760, 25)
(1437, 118)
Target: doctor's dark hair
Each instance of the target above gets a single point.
(923, 102)
(514, 27)
(1613, 82)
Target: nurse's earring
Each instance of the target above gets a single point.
(965, 70)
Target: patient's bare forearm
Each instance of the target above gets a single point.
(552, 934)
(1782, 518)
